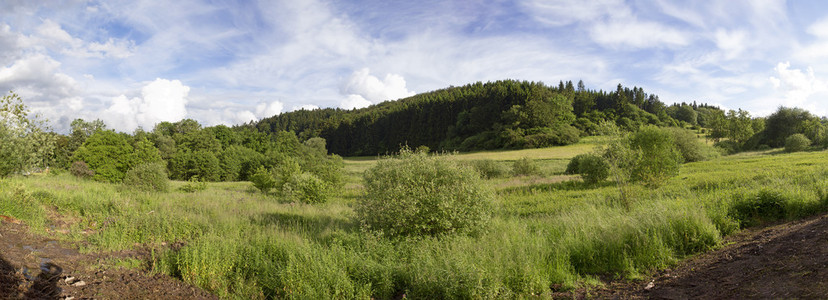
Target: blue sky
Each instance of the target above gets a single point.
(136, 63)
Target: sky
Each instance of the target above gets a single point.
(136, 63)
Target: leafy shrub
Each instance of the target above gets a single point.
(193, 185)
(488, 168)
(593, 168)
(148, 177)
(525, 167)
(574, 164)
(656, 159)
(81, 169)
(797, 142)
(690, 147)
(728, 147)
(263, 180)
(306, 188)
(416, 194)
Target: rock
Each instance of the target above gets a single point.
(69, 280)
(650, 285)
(79, 283)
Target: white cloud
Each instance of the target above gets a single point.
(800, 87)
(371, 88)
(161, 100)
(305, 107)
(266, 110)
(354, 101)
(733, 43)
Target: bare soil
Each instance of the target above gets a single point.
(781, 261)
(37, 267)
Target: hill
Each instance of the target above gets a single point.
(505, 114)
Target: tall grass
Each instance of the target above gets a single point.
(231, 240)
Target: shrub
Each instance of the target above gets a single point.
(148, 177)
(656, 159)
(767, 205)
(306, 188)
(593, 168)
(525, 167)
(193, 185)
(728, 147)
(689, 146)
(488, 168)
(81, 169)
(574, 163)
(797, 142)
(263, 180)
(416, 194)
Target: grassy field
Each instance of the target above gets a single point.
(547, 232)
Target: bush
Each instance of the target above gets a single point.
(415, 195)
(148, 177)
(690, 147)
(81, 169)
(488, 168)
(797, 142)
(728, 147)
(574, 164)
(193, 185)
(525, 167)
(766, 206)
(263, 180)
(656, 159)
(593, 168)
(306, 188)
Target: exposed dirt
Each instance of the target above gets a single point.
(783, 261)
(37, 267)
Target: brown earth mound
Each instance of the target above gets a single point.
(783, 261)
(36, 267)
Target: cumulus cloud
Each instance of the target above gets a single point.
(363, 89)
(266, 110)
(305, 107)
(799, 86)
(161, 100)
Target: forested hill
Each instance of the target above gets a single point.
(492, 115)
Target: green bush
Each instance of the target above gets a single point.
(416, 194)
(656, 159)
(525, 167)
(593, 168)
(193, 185)
(797, 142)
(488, 168)
(263, 180)
(728, 147)
(148, 177)
(767, 205)
(306, 188)
(81, 169)
(690, 147)
(574, 164)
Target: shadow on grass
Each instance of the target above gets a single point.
(312, 224)
(570, 185)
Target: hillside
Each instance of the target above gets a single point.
(505, 114)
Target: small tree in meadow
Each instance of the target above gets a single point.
(148, 177)
(797, 142)
(592, 168)
(415, 194)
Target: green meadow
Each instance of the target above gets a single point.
(548, 232)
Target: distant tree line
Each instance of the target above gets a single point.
(505, 114)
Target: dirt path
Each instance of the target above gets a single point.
(36, 267)
(784, 261)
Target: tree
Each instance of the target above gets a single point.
(107, 153)
(739, 126)
(784, 123)
(24, 142)
(656, 156)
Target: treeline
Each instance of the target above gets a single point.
(503, 114)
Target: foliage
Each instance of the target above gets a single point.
(784, 123)
(525, 167)
(656, 157)
(591, 167)
(81, 169)
(193, 185)
(24, 142)
(306, 188)
(200, 163)
(797, 142)
(150, 176)
(415, 194)
(489, 168)
(688, 144)
(107, 153)
(263, 180)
